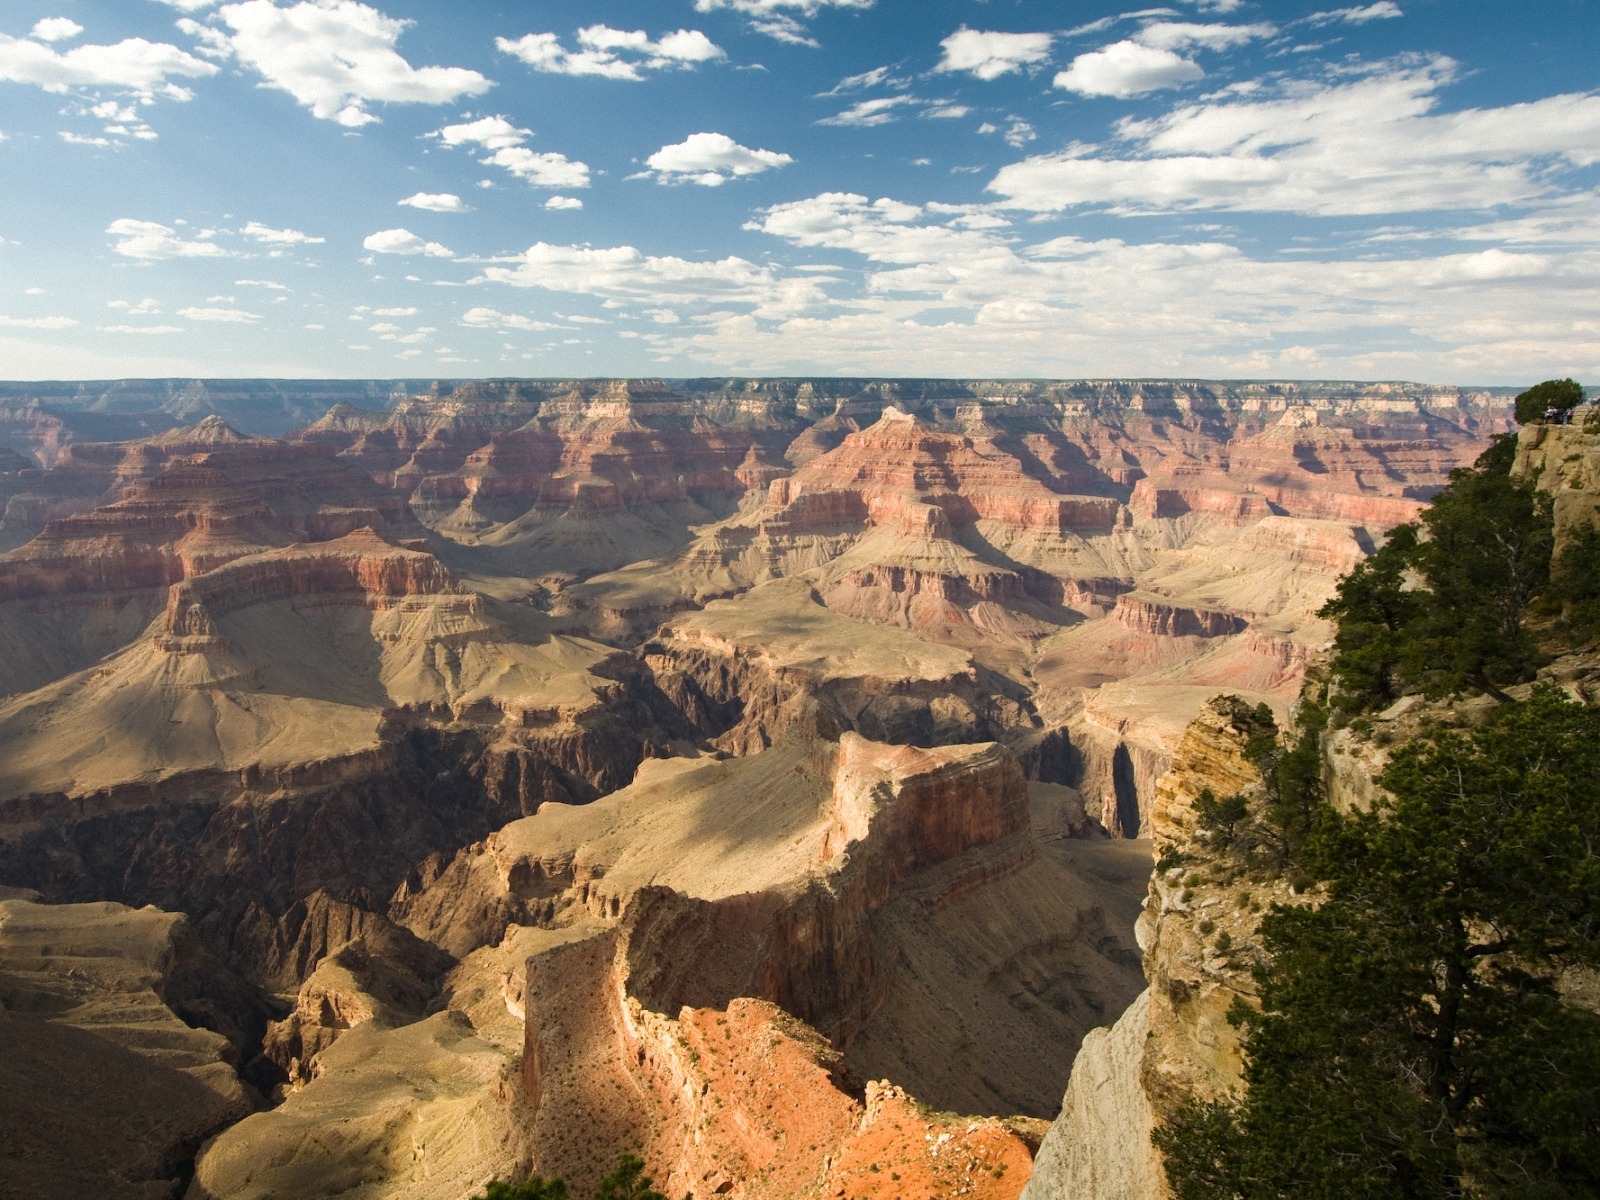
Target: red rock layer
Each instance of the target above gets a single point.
(426, 434)
(360, 565)
(1158, 617)
(597, 470)
(749, 1103)
(898, 469)
(187, 502)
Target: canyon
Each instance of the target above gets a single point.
(430, 783)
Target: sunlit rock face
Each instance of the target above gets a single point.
(749, 774)
(1174, 1044)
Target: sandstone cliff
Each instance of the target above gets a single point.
(1175, 1043)
(1565, 462)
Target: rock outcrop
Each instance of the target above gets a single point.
(108, 1080)
(1564, 461)
(1174, 1044)
(675, 980)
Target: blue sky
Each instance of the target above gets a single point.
(1405, 189)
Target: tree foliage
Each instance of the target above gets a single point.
(1264, 833)
(626, 1181)
(536, 1188)
(1412, 1039)
(1443, 607)
(1562, 395)
(1576, 580)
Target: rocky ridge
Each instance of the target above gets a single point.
(109, 993)
(634, 1034)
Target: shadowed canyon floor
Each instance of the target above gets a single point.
(748, 774)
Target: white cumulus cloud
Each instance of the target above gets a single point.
(403, 241)
(710, 159)
(133, 65)
(488, 318)
(612, 53)
(563, 203)
(335, 57)
(1181, 35)
(505, 143)
(265, 234)
(625, 275)
(989, 55)
(545, 170)
(493, 133)
(55, 29)
(1368, 146)
(153, 242)
(883, 230)
(439, 202)
(1127, 68)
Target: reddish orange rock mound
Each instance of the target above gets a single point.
(771, 1116)
(747, 1101)
(904, 1152)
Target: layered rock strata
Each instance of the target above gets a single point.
(667, 971)
(386, 780)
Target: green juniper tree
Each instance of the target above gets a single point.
(529, 1189)
(1412, 1039)
(1560, 395)
(1575, 582)
(627, 1181)
(1486, 556)
(1443, 608)
(1377, 612)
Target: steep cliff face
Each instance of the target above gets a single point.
(1565, 462)
(1175, 1043)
